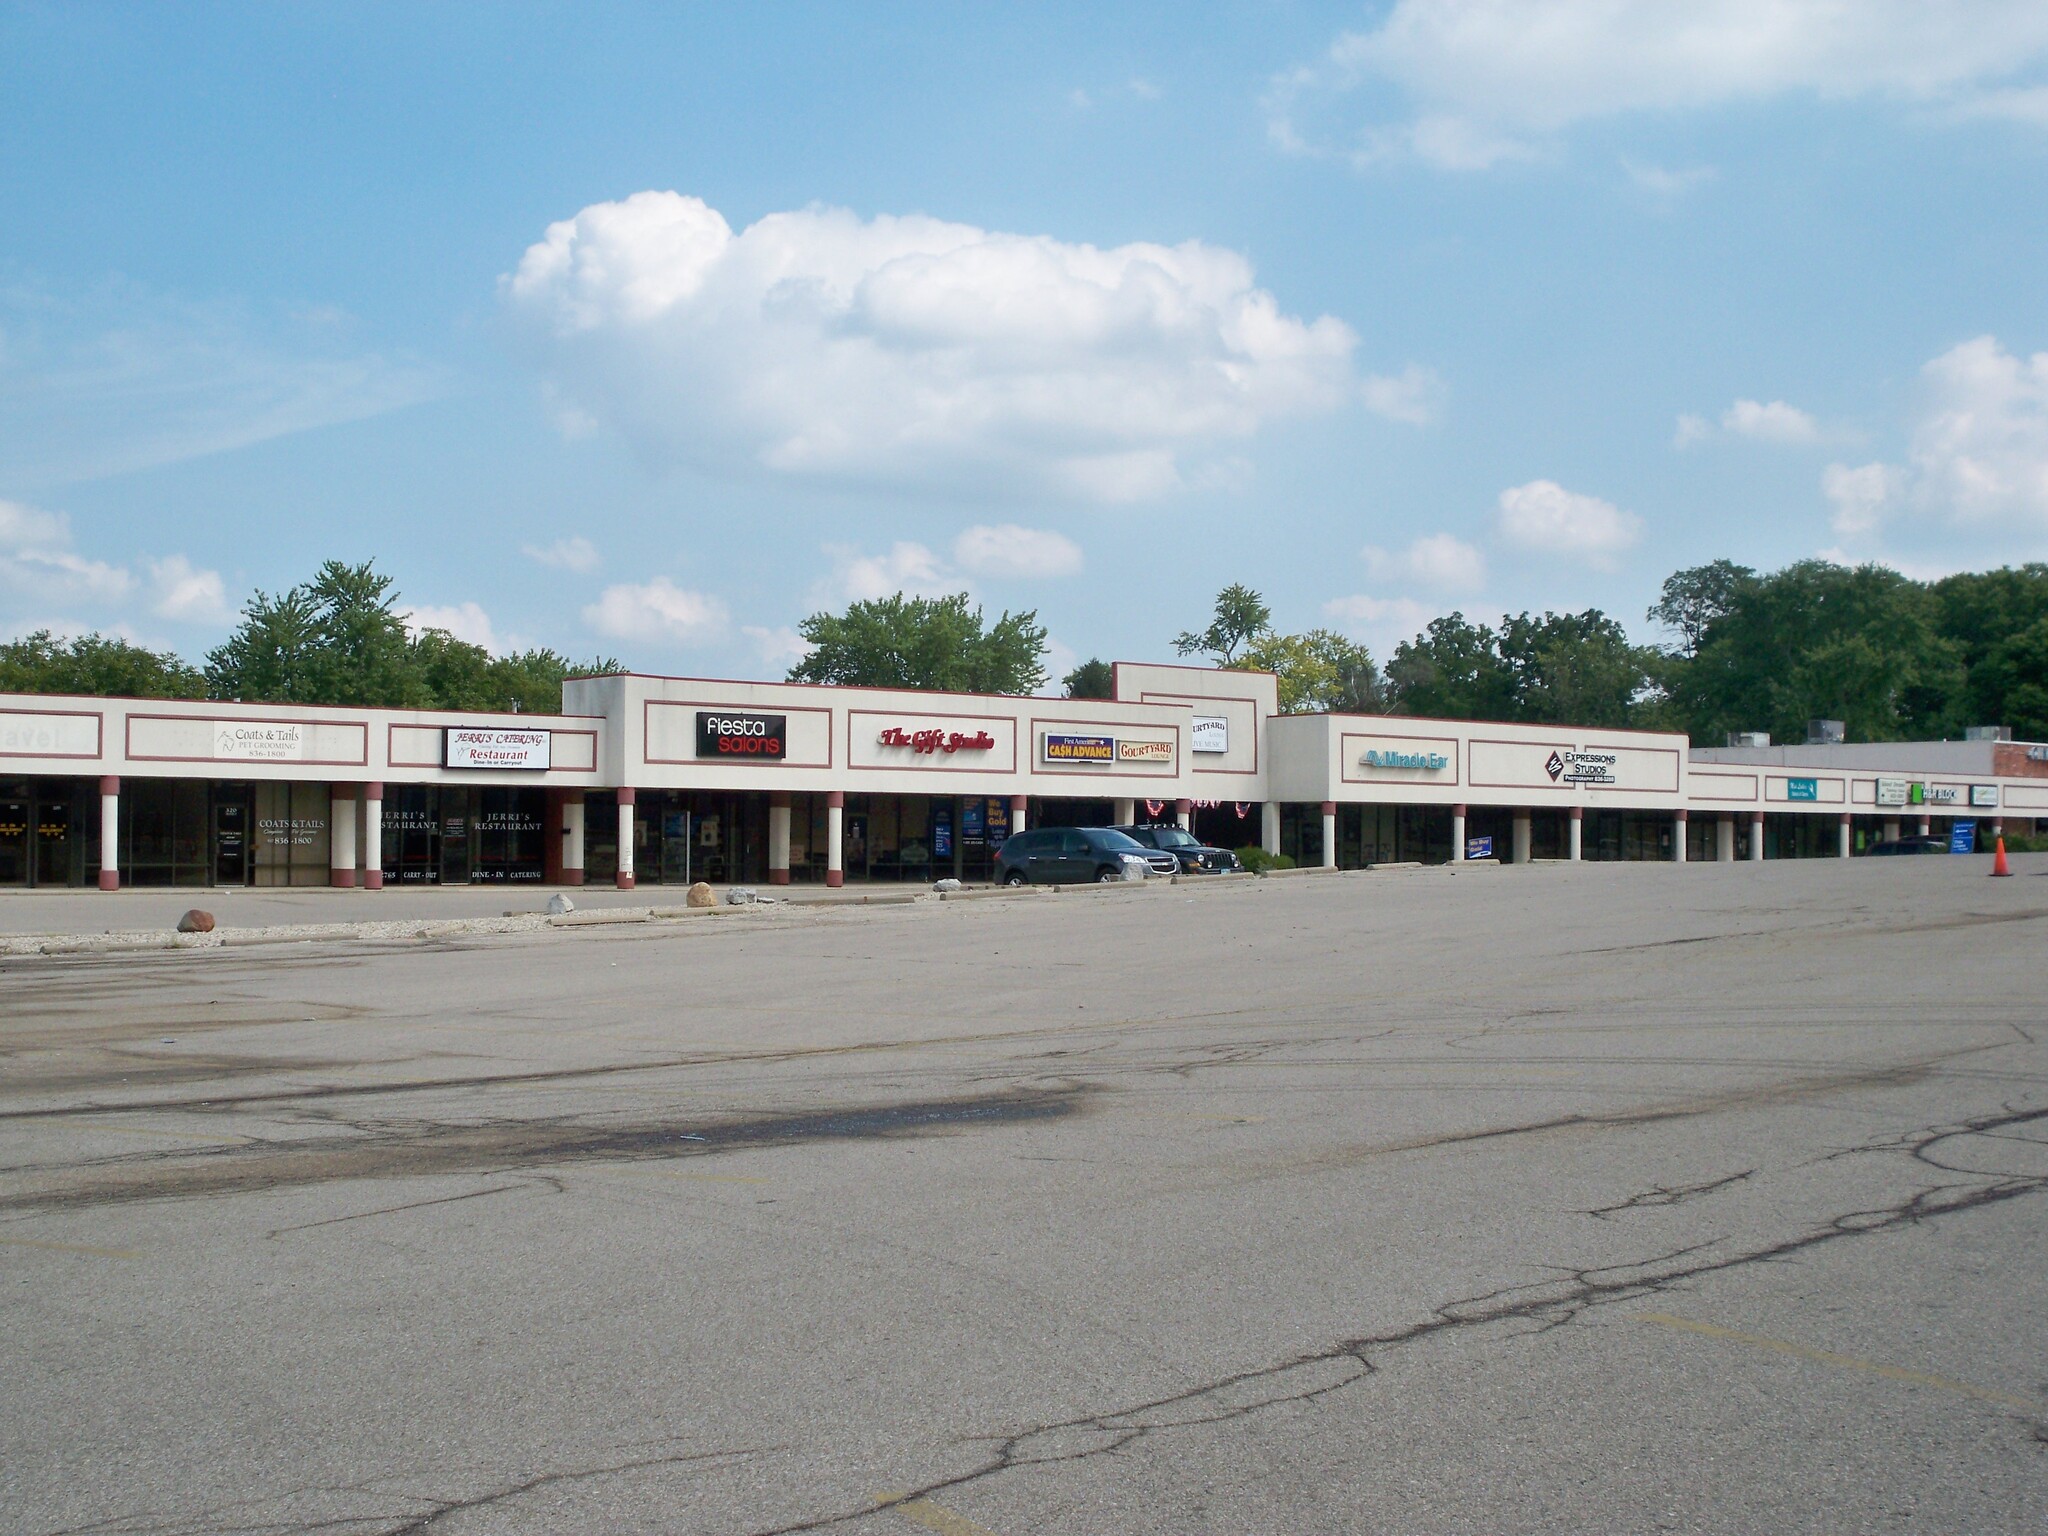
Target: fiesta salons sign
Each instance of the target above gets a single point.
(472, 746)
(741, 735)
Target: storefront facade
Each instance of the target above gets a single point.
(662, 780)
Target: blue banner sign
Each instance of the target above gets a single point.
(1478, 847)
(973, 819)
(1802, 789)
(942, 833)
(1962, 837)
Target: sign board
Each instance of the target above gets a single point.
(1802, 789)
(1478, 847)
(258, 743)
(1212, 733)
(973, 820)
(998, 820)
(1894, 792)
(1962, 837)
(926, 743)
(1944, 794)
(1079, 749)
(739, 734)
(1580, 767)
(1984, 795)
(474, 746)
(1425, 762)
(942, 832)
(1144, 751)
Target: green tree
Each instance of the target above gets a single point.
(1452, 671)
(1093, 679)
(1317, 671)
(923, 642)
(1241, 617)
(1575, 668)
(1696, 598)
(97, 666)
(1988, 615)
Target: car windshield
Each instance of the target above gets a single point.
(1173, 837)
(1112, 841)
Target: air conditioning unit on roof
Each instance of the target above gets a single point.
(1988, 733)
(1749, 738)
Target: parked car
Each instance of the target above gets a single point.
(1077, 856)
(1195, 856)
(1909, 845)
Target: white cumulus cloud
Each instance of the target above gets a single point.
(1381, 622)
(1415, 395)
(910, 350)
(465, 621)
(1544, 516)
(36, 557)
(1491, 81)
(1442, 562)
(1008, 550)
(1978, 454)
(188, 594)
(1775, 422)
(571, 554)
(906, 567)
(657, 612)
(780, 647)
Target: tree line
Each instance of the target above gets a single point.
(1891, 657)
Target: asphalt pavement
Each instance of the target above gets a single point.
(1597, 1198)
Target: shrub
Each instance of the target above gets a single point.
(1259, 861)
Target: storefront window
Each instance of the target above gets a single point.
(290, 846)
(506, 838)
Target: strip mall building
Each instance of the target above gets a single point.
(645, 780)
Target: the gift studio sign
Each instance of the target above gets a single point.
(927, 743)
(740, 734)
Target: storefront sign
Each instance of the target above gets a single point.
(942, 832)
(1895, 791)
(1581, 767)
(1478, 847)
(1944, 794)
(1984, 795)
(1962, 837)
(1211, 733)
(1144, 751)
(998, 821)
(973, 820)
(259, 743)
(1802, 789)
(290, 831)
(473, 746)
(1080, 749)
(1422, 762)
(730, 733)
(927, 742)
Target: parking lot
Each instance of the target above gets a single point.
(1635, 1197)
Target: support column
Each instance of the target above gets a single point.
(1457, 834)
(835, 838)
(1525, 837)
(1183, 813)
(1019, 804)
(1681, 824)
(1575, 847)
(1756, 838)
(1269, 826)
(373, 836)
(1126, 813)
(341, 836)
(1891, 831)
(110, 832)
(572, 838)
(778, 837)
(1329, 834)
(624, 879)
(1724, 839)
(1926, 826)
(1842, 837)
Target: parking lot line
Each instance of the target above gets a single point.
(933, 1517)
(1845, 1362)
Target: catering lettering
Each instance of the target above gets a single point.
(926, 743)
(1080, 749)
(730, 734)
(469, 746)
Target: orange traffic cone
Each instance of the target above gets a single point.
(1998, 864)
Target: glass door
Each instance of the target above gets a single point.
(53, 843)
(231, 841)
(14, 841)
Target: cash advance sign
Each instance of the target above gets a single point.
(742, 736)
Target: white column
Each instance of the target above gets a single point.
(1576, 847)
(1680, 825)
(373, 836)
(1269, 826)
(1126, 813)
(1843, 838)
(835, 838)
(1724, 839)
(1525, 837)
(1457, 834)
(1329, 834)
(572, 838)
(1756, 838)
(1183, 813)
(110, 832)
(1019, 806)
(341, 836)
(1891, 831)
(1926, 826)
(778, 839)
(624, 879)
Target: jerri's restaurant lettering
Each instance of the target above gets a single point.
(466, 746)
(731, 734)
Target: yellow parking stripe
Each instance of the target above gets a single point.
(933, 1517)
(1846, 1362)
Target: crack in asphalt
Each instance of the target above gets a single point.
(1548, 1304)
(1660, 1195)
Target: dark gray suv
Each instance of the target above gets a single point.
(1196, 856)
(1077, 856)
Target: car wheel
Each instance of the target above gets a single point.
(1014, 877)
(1108, 875)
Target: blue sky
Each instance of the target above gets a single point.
(647, 330)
